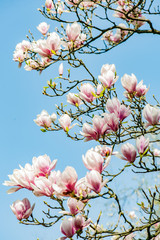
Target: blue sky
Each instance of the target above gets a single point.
(21, 101)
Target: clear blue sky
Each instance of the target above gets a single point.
(21, 101)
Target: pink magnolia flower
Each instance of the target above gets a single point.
(108, 67)
(112, 121)
(73, 99)
(44, 186)
(81, 188)
(43, 28)
(141, 89)
(93, 161)
(129, 83)
(68, 180)
(67, 227)
(43, 165)
(94, 180)
(49, 4)
(151, 114)
(60, 70)
(104, 150)
(89, 133)
(24, 45)
(129, 152)
(31, 65)
(87, 92)
(75, 206)
(108, 78)
(22, 209)
(142, 144)
(43, 119)
(73, 31)
(19, 55)
(65, 122)
(49, 46)
(114, 106)
(80, 222)
(21, 178)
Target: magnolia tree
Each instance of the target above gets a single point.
(125, 129)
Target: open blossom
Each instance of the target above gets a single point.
(68, 180)
(112, 121)
(80, 222)
(142, 144)
(48, 47)
(43, 186)
(31, 65)
(74, 36)
(151, 114)
(22, 209)
(19, 55)
(129, 82)
(24, 45)
(104, 150)
(75, 206)
(65, 122)
(43, 28)
(44, 119)
(42, 165)
(108, 78)
(141, 89)
(73, 99)
(114, 106)
(21, 178)
(99, 128)
(81, 188)
(73, 31)
(67, 227)
(87, 92)
(93, 161)
(129, 152)
(94, 180)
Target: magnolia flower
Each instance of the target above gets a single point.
(87, 92)
(43, 186)
(75, 206)
(73, 31)
(81, 188)
(68, 180)
(43, 119)
(73, 99)
(93, 161)
(129, 83)
(31, 65)
(22, 209)
(94, 180)
(65, 122)
(108, 67)
(67, 227)
(80, 222)
(108, 78)
(60, 69)
(129, 152)
(43, 28)
(142, 144)
(48, 47)
(151, 114)
(21, 178)
(141, 89)
(99, 89)
(43, 165)
(112, 121)
(114, 106)
(49, 4)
